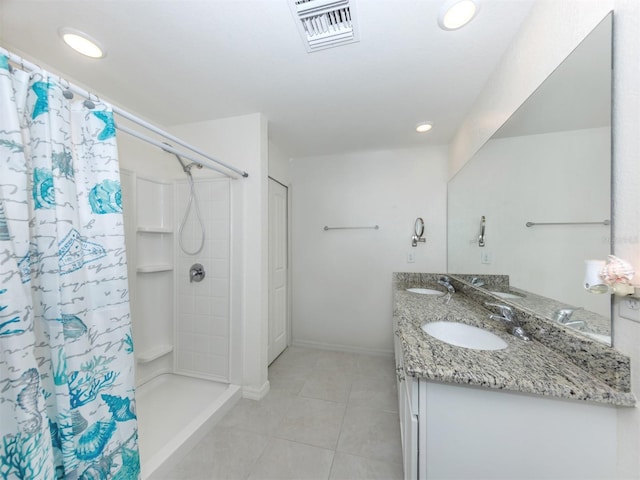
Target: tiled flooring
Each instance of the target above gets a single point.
(329, 415)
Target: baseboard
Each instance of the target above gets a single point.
(342, 348)
(256, 393)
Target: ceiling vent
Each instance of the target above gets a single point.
(325, 23)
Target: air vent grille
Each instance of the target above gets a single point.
(325, 23)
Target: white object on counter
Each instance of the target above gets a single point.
(592, 279)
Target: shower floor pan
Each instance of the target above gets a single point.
(174, 413)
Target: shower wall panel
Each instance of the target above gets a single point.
(202, 309)
(148, 217)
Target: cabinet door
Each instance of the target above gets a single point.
(399, 378)
(410, 429)
(408, 409)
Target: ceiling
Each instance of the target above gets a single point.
(174, 62)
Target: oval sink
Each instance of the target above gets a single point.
(506, 295)
(463, 335)
(425, 291)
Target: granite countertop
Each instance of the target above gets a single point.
(527, 367)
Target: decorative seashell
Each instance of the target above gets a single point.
(94, 472)
(92, 442)
(106, 197)
(78, 422)
(617, 270)
(43, 191)
(72, 327)
(28, 401)
(121, 408)
(98, 471)
(130, 464)
(55, 435)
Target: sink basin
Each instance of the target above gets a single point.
(506, 295)
(425, 291)
(463, 335)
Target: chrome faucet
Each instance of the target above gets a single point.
(446, 283)
(508, 316)
(476, 282)
(563, 316)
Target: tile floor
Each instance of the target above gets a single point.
(328, 415)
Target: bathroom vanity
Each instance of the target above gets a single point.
(539, 409)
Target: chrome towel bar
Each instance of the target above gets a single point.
(604, 222)
(375, 227)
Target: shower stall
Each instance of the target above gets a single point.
(181, 327)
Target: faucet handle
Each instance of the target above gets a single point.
(505, 310)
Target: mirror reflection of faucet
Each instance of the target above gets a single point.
(446, 283)
(563, 316)
(508, 317)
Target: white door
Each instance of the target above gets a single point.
(278, 291)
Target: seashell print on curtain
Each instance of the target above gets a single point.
(67, 405)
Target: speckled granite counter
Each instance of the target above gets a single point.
(528, 367)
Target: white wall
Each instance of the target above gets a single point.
(242, 142)
(144, 159)
(342, 278)
(279, 164)
(551, 32)
(554, 177)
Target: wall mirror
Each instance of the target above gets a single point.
(550, 165)
(418, 232)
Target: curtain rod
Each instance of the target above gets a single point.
(26, 65)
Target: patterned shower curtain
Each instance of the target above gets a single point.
(67, 406)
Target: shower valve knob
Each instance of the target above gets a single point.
(196, 273)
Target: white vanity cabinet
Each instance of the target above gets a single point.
(452, 431)
(408, 409)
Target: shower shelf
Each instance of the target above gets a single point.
(154, 353)
(154, 268)
(155, 230)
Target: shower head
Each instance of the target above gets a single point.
(191, 165)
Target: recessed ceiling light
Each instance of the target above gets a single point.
(457, 13)
(81, 42)
(424, 127)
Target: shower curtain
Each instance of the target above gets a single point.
(67, 407)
